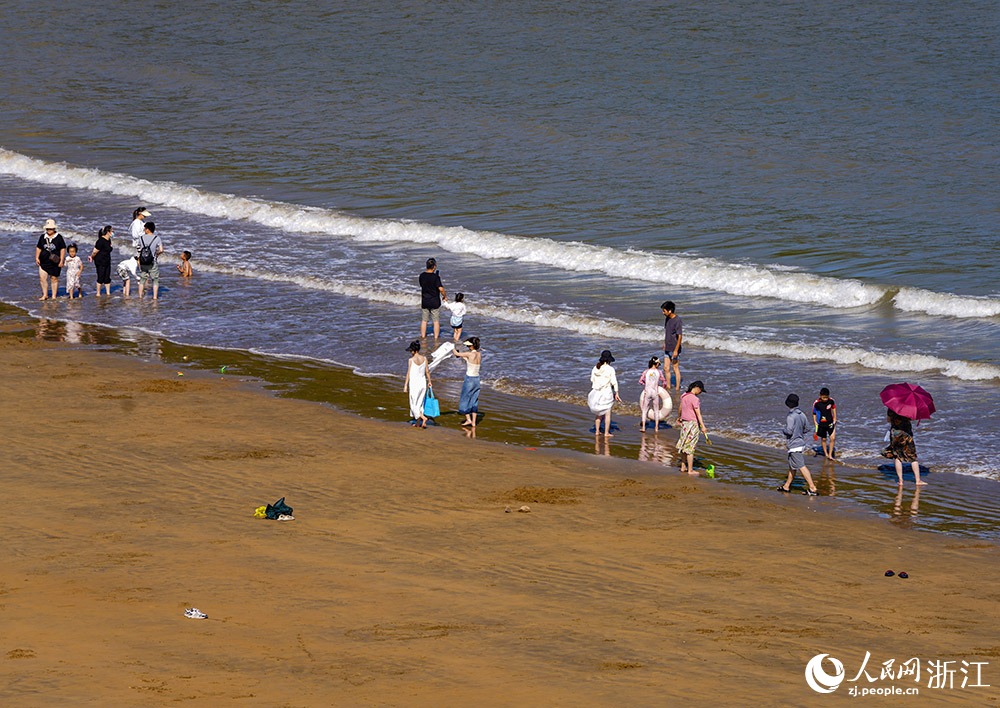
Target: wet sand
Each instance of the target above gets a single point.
(953, 503)
(402, 582)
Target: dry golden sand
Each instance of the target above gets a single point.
(129, 496)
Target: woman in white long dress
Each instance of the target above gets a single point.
(604, 392)
(418, 378)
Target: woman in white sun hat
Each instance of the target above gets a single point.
(50, 257)
(136, 229)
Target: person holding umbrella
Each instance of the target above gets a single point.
(905, 402)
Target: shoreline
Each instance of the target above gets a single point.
(961, 505)
(401, 580)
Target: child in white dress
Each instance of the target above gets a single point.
(74, 267)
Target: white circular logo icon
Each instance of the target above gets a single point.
(818, 679)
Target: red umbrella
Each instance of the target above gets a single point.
(908, 400)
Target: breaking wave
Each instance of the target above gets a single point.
(618, 329)
(695, 272)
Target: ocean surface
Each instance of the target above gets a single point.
(814, 184)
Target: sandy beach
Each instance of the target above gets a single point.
(403, 582)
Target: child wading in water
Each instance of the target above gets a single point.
(127, 270)
(184, 267)
(653, 394)
(825, 420)
(458, 310)
(690, 422)
(74, 267)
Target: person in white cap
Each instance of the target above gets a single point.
(50, 257)
(137, 228)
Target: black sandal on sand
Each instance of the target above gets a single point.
(782, 489)
(810, 493)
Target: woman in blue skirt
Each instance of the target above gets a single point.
(468, 404)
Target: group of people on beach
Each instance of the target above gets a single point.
(417, 384)
(655, 401)
(52, 254)
(655, 404)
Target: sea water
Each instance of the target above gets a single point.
(814, 185)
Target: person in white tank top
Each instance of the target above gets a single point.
(468, 403)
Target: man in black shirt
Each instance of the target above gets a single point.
(431, 295)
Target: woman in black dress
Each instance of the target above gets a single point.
(101, 258)
(50, 256)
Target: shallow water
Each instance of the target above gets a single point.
(814, 186)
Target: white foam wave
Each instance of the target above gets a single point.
(617, 329)
(19, 226)
(36, 229)
(946, 304)
(880, 361)
(976, 471)
(702, 273)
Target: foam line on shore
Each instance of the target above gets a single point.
(696, 272)
(703, 273)
(618, 329)
(612, 328)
